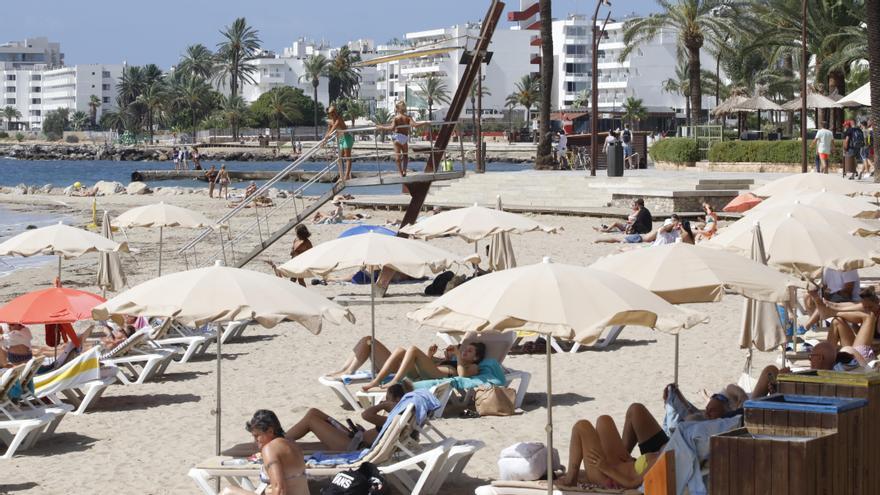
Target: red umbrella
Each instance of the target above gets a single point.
(56, 307)
(742, 203)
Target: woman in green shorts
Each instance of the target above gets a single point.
(344, 139)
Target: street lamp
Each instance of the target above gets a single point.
(594, 97)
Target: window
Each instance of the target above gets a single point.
(10, 89)
(35, 89)
(34, 113)
(577, 68)
(10, 101)
(106, 74)
(105, 99)
(576, 30)
(36, 77)
(10, 77)
(105, 87)
(576, 50)
(93, 73)
(575, 86)
(93, 86)
(35, 101)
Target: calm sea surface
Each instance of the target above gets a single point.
(62, 173)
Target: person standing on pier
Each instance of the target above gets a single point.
(344, 139)
(175, 158)
(211, 176)
(401, 126)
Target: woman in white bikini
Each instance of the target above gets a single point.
(284, 468)
(223, 181)
(400, 126)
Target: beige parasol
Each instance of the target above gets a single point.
(812, 182)
(683, 273)
(60, 240)
(474, 223)
(221, 294)
(858, 98)
(812, 215)
(370, 251)
(110, 273)
(501, 256)
(548, 298)
(855, 207)
(814, 100)
(761, 327)
(161, 215)
(799, 246)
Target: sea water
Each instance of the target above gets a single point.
(62, 173)
(13, 223)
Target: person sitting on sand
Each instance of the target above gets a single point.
(335, 436)
(301, 244)
(665, 234)
(685, 234)
(707, 229)
(250, 189)
(638, 222)
(283, 468)
(415, 364)
(338, 214)
(345, 141)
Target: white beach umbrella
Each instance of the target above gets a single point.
(60, 240)
(858, 98)
(161, 215)
(811, 215)
(814, 182)
(221, 294)
(474, 223)
(110, 273)
(798, 246)
(548, 298)
(369, 252)
(851, 206)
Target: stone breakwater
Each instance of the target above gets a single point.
(64, 151)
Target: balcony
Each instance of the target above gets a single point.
(522, 15)
(421, 69)
(536, 59)
(613, 84)
(535, 41)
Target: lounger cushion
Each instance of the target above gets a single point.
(491, 373)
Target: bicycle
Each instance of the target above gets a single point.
(578, 158)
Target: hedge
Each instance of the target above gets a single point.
(677, 150)
(788, 151)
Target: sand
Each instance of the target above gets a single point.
(144, 438)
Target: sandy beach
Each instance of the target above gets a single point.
(144, 438)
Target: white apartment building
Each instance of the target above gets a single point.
(73, 87)
(21, 67)
(400, 79)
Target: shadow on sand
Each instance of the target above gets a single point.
(17, 487)
(120, 403)
(59, 443)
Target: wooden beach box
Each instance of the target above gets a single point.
(793, 444)
(846, 384)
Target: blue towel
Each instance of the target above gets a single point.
(320, 459)
(491, 373)
(690, 444)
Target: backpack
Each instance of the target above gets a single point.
(858, 139)
(365, 480)
(627, 136)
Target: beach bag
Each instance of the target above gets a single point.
(365, 480)
(627, 137)
(858, 139)
(495, 401)
(525, 461)
(438, 285)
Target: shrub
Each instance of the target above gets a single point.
(677, 150)
(4, 135)
(71, 139)
(788, 151)
(19, 137)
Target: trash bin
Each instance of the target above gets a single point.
(614, 159)
(794, 444)
(843, 384)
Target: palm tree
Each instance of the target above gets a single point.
(510, 103)
(94, 103)
(233, 110)
(281, 108)
(872, 14)
(693, 20)
(79, 120)
(381, 116)
(118, 119)
(197, 61)
(680, 84)
(582, 100)
(545, 158)
(343, 76)
(132, 82)
(10, 113)
(195, 96)
(234, 54)
(433, 89)
(634, 111)
(527, 92)
(151, 99)
(314, 68)
(351, 109)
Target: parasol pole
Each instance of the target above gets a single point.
(373, 322)
(549, 426)
(217, 407)
(676, 360)
(160, 250)
(59, 267)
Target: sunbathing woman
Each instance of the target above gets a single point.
(413, 363)
(333, 435)
(283, 466)
(710, 227)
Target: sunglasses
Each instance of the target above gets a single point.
(720, 398)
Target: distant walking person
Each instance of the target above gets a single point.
(211, 177)
(401, 126)
(223, 181)
(867, 161)
(824, 142)
(176, 158)
(344, 140)
(626, 138)
(853, 142)
(181, 157)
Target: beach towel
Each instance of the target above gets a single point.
(82, 369)
(690, 445)
(336, 459)
(491, 373)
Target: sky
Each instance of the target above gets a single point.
(158, 31)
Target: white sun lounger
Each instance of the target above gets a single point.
(187, 345)
(77, 381)
(135, 366)
(21, 428)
